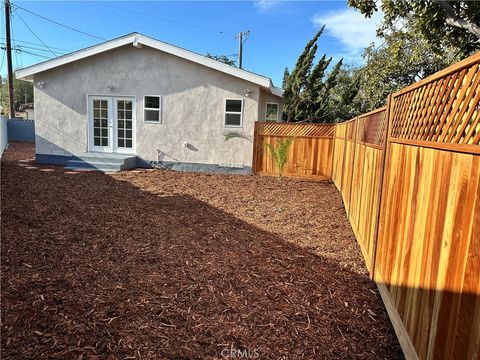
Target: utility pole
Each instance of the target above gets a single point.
(9, 59)
(241, 40)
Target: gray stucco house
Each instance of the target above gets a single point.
(134, 100)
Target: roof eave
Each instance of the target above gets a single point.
(276, 91)
(28, 72)
(136, 40)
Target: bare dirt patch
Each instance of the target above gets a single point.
(160, 264)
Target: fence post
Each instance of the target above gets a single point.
(343, 162)
(388, 125)
(353, 166)
(254, 148)
(333, 176)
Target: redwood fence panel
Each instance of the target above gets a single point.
(412, 195)
(338, 154)
(428, 251)
(409, 175)
(366, 177)
(310, 154)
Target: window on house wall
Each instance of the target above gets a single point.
(233, 112)
(152, 107)
(271, 112)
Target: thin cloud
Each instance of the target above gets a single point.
(350, 27)
(263, 5)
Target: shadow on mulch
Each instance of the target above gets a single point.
(93, 267)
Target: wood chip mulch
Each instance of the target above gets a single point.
(168, 265)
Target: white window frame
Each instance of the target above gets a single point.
(154, 109)
(278, 110)
(225, 112)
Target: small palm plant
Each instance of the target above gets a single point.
(278, 152)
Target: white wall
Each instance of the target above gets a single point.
(193, 105)
(3, 134)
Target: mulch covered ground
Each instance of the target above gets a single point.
(159, 264)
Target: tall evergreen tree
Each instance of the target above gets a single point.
(298, 77)
(286, 74)
(307, 91)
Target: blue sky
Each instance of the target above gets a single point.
(279, 29)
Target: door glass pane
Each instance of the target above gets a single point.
(100, 123)
(124, 122)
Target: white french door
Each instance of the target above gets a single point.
(111, 124)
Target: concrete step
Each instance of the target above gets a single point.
(101, 166)
(102, 162)
(107, 158)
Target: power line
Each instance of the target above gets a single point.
(35, 54)
(28, 27)
(33, 48)
(166, 19)
(20, 50)
(24, 48)
(59, 24)
(32, 43)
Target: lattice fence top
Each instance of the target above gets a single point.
(350, 130)
(444, 108)
(372, 126)
(295, 129)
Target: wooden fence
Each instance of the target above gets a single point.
(310, 154)
(428, 251)
(409, 175)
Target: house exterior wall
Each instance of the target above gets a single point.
(193, 101)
